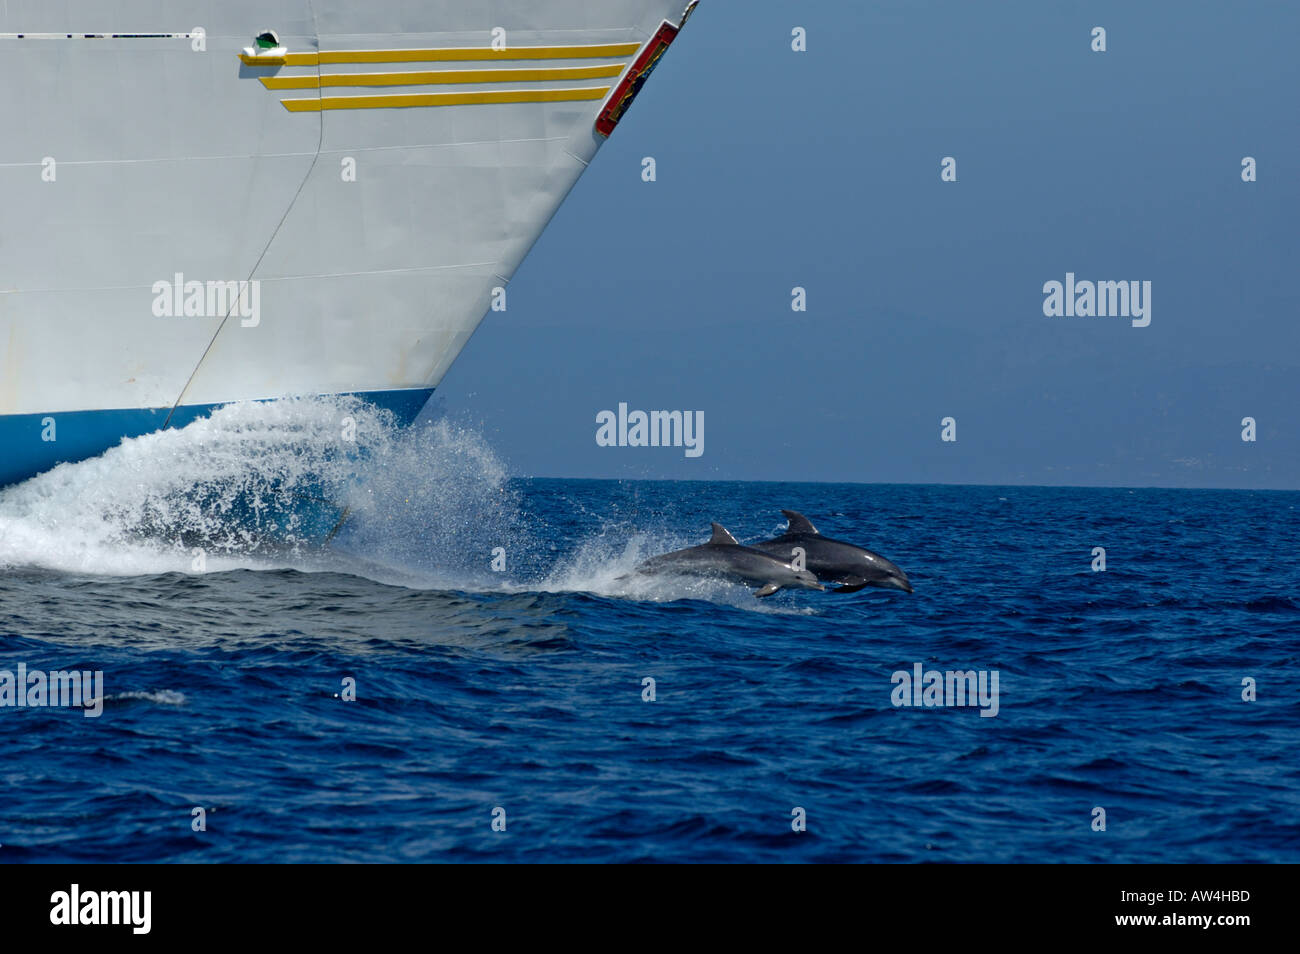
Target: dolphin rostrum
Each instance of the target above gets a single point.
(723, 558)
(833, 560)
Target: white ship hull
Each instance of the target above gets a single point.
(371, 179)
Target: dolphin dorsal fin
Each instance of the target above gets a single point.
(798, 522)
(721, 535)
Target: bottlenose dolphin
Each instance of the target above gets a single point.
(723, 558)
(833, 560)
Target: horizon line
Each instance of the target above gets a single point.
(897, 483)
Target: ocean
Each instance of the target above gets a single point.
(467, 674)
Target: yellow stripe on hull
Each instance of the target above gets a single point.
(403, 100)
(464, 54)
(435, 77)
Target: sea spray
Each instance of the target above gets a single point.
(251, 485)
(428, 507)
(436, 504)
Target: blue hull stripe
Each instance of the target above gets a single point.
(85, 434)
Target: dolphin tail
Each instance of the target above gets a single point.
(766, 590)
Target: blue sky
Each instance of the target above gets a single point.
(821, 169)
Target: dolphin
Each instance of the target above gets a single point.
(724, 558)
(833, 560)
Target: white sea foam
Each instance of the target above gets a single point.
(162, 697)
(228, 485)
(428, 507)
(605, 565)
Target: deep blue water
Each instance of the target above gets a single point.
(522, 689)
